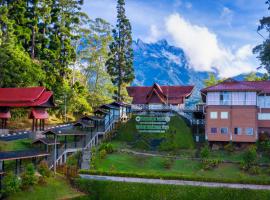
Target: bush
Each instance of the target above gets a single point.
(254, 170)
(28, 177)
(43, 169)
(107, 146)
(73, 160)
(10, 184)
(205, 152)
(102, 154)
(250, 157)
(208, 164)
(167, 163)
(229, 147)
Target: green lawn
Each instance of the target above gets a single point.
(56, 188)
(178, 136)
(15, 145)
(104, 190)
(134, 164)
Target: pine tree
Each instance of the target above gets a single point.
(120, 62)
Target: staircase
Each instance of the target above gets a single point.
(83, 145)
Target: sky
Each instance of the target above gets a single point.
(214, 34)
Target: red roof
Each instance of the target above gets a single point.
(25, 97)
(232, 85)
(38, 114)
(159, 94)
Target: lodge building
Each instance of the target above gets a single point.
(158, 97)
(237, 111)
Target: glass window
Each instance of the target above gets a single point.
(224, 130)
(213, 115)
(224, 98)
(249, 131)
(237, 131)
(264, 116)
(224, 115)
(213, 130)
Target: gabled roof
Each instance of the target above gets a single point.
(47, 141)
(159, 94)
(233, 85)
(26, 97)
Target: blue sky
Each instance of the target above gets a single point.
(215, 34)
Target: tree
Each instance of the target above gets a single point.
(120, 62)
(263, 50)
(28, 177)
(250, 157)
(212, 80)
(253, 77)
(10, 184)
(92, 57)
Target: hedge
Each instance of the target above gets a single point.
(104, 190)
(177, 177)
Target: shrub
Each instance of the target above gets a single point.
(73, 160)
(208, 164)
(254, 170)
(205, 152)
(42, 180)
(28, 177)
(229, 147)
(250, 157)
(167, 163)
(102, 154)
(43, 169)
(10, 184)
(107, 146)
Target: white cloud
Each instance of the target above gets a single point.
(205, 52)
(226, 15)
(154, 35)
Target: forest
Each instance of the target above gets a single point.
(85, 62)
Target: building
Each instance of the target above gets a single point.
(37, 99)
(237, 111)
(159, 97)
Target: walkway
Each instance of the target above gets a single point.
(176, 182)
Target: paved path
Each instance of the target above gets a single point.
(176, 182)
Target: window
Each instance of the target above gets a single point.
(224, 115)
(224, 98)
(213, 130)
(264, 116)
(237, 131)
(249, 131)
(224, 130)
(213, 115)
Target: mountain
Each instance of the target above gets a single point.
(166, 65)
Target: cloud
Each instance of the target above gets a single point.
(155, 34)
(204, 51)
(188, 5)
(226, 16)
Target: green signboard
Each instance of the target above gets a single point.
(152, 124)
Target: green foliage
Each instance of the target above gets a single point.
(167, 163)
(254, 170)
(253, 77)
(205, 151)
(10, 184)
(102, 153)
(73, 160)
(28, 177)
(212, 80)
(43, 169)
(135, 191)
(120, 61)
(250, 157)
(229, 147)
(208, 164)
(106, 146)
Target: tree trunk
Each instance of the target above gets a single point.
(33, 43)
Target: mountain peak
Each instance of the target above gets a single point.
(162, 42)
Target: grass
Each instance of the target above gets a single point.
(56, 188)
(15, 145)
(137, 191)
(154, 166)
(178, 136)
